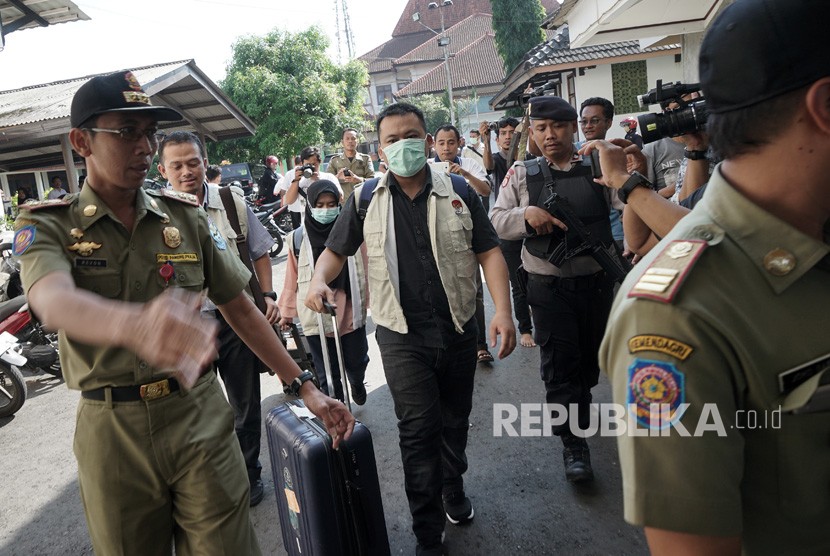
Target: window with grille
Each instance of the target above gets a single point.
(629, 80)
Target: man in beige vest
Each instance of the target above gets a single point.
(424, 241)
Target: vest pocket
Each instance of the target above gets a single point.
(461, 233)
(189, 276)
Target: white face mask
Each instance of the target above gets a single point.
(473, 141)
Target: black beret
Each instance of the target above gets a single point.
(551, 108)
(759, 49)
(116, 92)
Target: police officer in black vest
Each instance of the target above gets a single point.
(568, 292)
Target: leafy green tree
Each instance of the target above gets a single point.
(293, 93)
(516, 24)
(435, 109)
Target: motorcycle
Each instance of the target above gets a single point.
(36, 345)
(276, 219)
(12, 384)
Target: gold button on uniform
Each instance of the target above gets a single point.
(90, 210)
(779, 262)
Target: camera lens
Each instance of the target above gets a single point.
(674, 123)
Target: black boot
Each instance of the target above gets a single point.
(577, 459)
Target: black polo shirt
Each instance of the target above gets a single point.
(423, 299)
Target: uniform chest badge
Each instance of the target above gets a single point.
(84, 248)
(172, 237)
(76, 233)
(457, 206)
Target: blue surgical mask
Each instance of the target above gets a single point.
(406, 157)
(325, 215)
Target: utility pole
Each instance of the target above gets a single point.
(444, 43)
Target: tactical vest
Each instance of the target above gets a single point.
(589, 200)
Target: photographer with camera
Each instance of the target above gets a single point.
(681, 123)
(303, 175)
(568, 291)
(738, 293)
(496, 166)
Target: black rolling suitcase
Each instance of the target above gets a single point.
(329, 500)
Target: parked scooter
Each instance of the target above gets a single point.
(12, 385)
(277, 220)
(36, 345)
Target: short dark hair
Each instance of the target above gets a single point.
(607, 107)
(744, 130)
(449, 127)
(212, 171)
(178, 138)
(508, 121)
(308, 152)
(349, 129)
(401, 109)
(477, 132)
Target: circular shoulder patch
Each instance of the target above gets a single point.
(23, 239)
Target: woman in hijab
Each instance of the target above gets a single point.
(350, 292)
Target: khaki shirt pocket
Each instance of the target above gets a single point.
(190, 276)
(104, 282)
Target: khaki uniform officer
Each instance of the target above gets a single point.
(158, 461)
(359, 165)
(718, 340)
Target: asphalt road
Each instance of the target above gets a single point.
(523, 505)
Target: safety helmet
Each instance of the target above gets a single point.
(271, 159)
(631, 122)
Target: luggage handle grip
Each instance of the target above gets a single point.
(329, 308)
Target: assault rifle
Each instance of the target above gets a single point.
(559, 207)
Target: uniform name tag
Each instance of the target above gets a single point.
(90, 263)
(177, 257)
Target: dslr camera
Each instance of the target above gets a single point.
(548, 87)
(307, 169)
(689, 117)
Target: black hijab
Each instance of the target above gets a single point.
(318, 233)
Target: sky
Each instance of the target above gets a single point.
(124, 33)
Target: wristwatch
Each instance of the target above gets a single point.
(694, 155)
(297, 383)
(272, 295)
(636, 180)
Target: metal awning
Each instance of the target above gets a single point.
(16, 15)
(35, 120)
(602, 21)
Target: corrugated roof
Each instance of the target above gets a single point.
(50, 101)
(459, 11)
(461, 35)
(27, 15)
(33, 119)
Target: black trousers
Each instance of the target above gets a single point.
(239, 369)
(355, 358)
(569, 317)
(512, 251)
(432, 390)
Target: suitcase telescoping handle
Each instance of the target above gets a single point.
(329, 308)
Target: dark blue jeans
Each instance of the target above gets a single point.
(433, 394)
(355, 358)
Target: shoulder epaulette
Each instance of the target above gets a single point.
(47, 203)
(186, 198)
(662, 279)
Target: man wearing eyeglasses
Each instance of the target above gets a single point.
(118, 270)
(595, 117)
